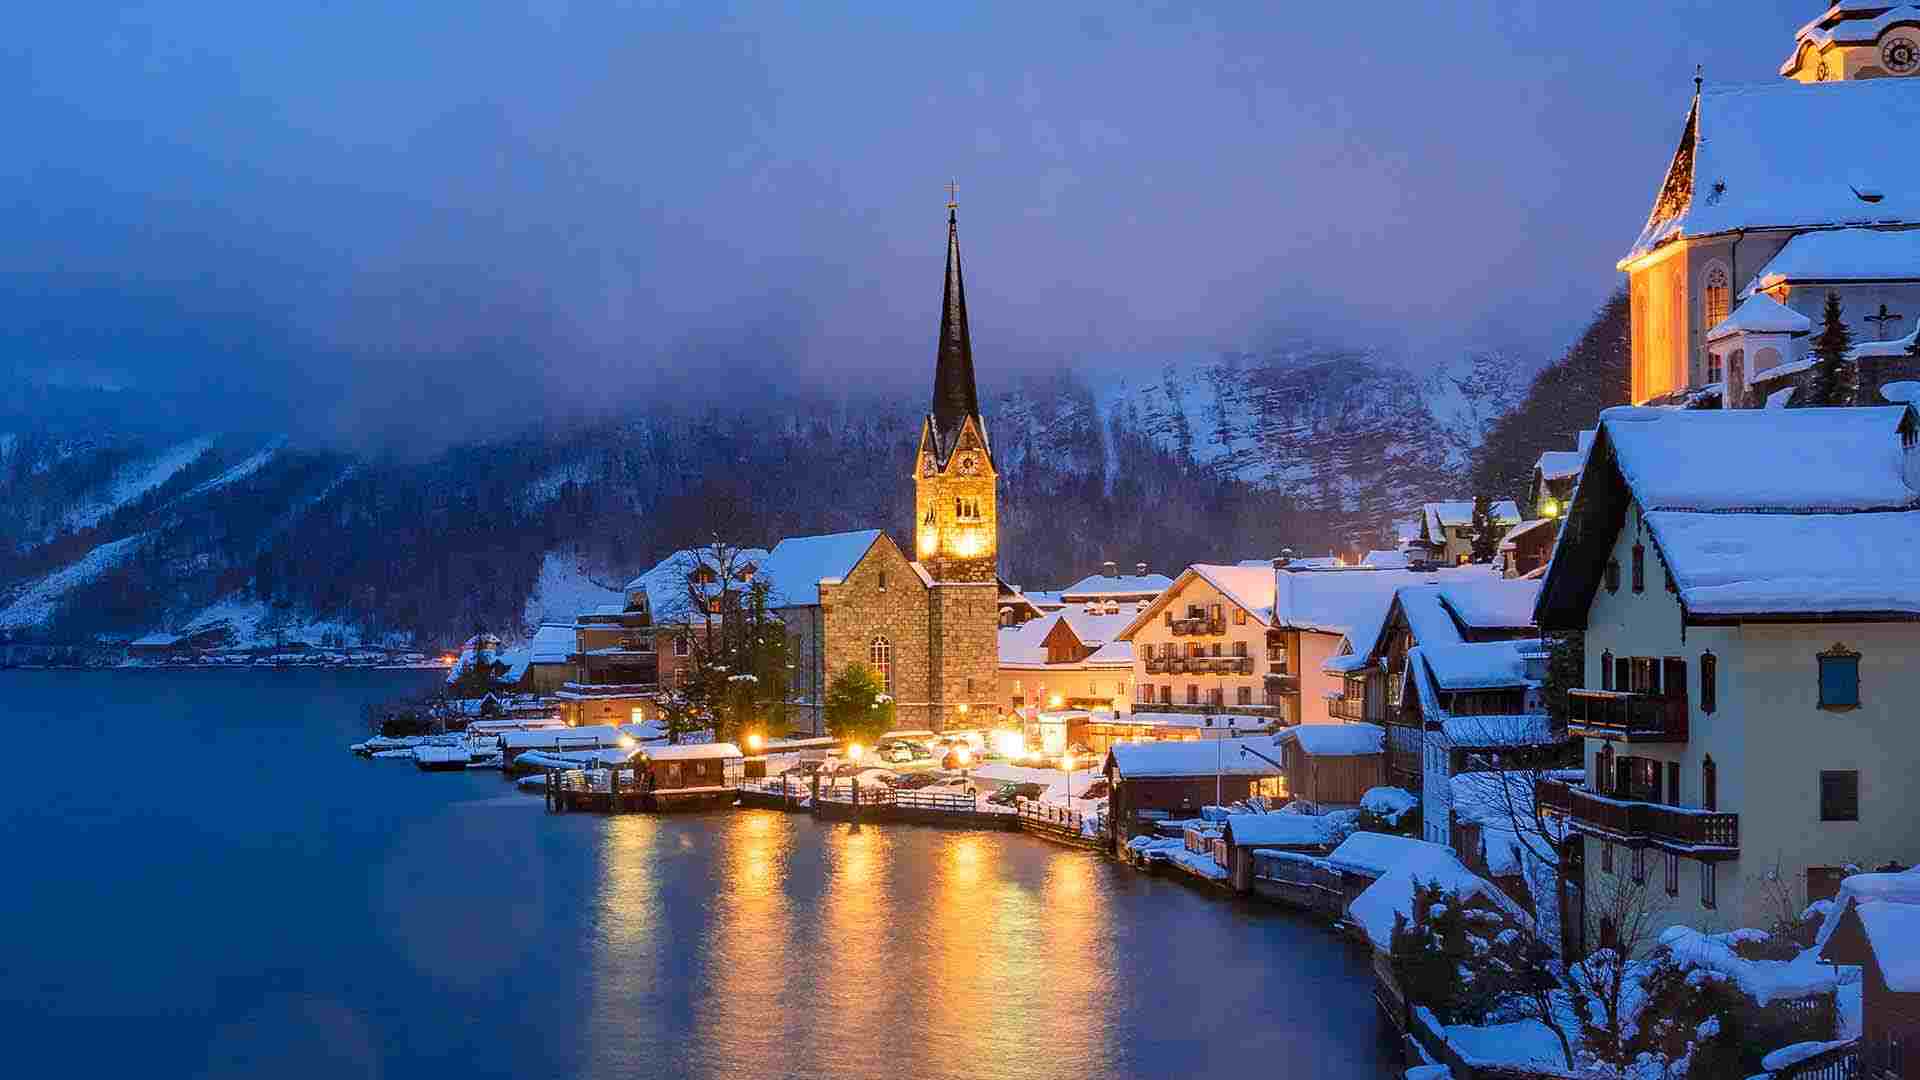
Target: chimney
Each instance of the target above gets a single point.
(1140, 568)
(1286, 556)
(1110, 568)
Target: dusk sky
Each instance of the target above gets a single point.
(357, 207)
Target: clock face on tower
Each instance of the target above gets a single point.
(1900, 55)
(968, 464)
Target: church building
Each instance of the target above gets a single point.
(1776, 195)
(925, 622)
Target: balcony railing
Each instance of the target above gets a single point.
(1201, 665)
(1668, 826)
(1156, 666)
(1346, 708)
(1610, 714)
(1198, 626)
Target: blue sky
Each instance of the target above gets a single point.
(341, 204)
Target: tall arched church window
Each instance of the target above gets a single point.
(1716, 295)
(880, 654)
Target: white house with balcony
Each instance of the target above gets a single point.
(1748, 583)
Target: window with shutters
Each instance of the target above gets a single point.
(1840, 795)
(1193, 693)
(1239, 616)
(1166, 694)
(1243, 696)
(1839, 678)
(1639, 568)
(1239, 648)
(1709, 679)
(1606, 670)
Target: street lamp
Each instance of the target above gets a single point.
(1066, 763)
(963, 756)
(754, 742)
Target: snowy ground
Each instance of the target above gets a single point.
(36, 603)
(135, 480)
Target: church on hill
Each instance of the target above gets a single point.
(1776, 195)
(926, 622)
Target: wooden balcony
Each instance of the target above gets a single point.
(1156, 666)
(1631, 718)
(1197, 626)
(1347, 708)
(1704, 834)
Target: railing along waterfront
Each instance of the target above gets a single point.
(1633, 717)
(1673, 825)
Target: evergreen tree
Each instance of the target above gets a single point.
(858, 708)
(1486, 532)
(1835, 379)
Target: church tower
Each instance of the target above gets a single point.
(956, 533)
(956, 521)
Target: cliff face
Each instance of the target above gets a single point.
(109, 526)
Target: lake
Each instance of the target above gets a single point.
(202, 881)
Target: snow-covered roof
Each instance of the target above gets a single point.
(1249, 586)
(1204, 757)
(1559, 464)
(1843, 255)
(1279, 829)
(1373, 854)
(1760, 314)
(517, 661)
(1117, 585)
(1478, 665)
(1460, 512)
(549, 738)
(1889, 910)
(1902, 887)
(798, 564)
(1025, 645)
(1349, 602)
(1488, 732)
(1512, 539)
(1848, 24)
(1733, 171)
(1336, 740)
(1793, 459)
(552, 643)
(693, 752)
(1345, 663)
(1386, 560)
(666, 582)
(1113, 653)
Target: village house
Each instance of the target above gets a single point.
(1332, 766)
(1111, 586)
(1737, 216)
(1524, 550)
(1152, 782)
(1072, 659)
(1207, 643)
(551, 659)
(1446, 530)
(1874, 923)
(1441, 607)
(1479, 708)
(1750, 643)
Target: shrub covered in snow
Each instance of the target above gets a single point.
(1390, 810)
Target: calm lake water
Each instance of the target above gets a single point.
(201, 881)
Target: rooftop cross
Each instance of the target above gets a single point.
(953, 192)
(1881, 320)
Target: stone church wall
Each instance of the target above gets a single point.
(882, 598)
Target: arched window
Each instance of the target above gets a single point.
(880, 654)
(1717, 295)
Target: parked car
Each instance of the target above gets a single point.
(1009, 794)
(897, 752)
(919, 750)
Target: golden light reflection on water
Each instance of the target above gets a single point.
(751, 970)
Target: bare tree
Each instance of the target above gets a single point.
(1623, 917)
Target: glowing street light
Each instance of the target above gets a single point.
(854, 752)
(754, 742)
(1549, 507)
(1066, 764)
(1054, 701)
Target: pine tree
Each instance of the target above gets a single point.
(1835, 379)
(1486, 532)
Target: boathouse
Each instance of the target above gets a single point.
(1161, 781)
(1244, 834)
(694, 776)
(1332, 766)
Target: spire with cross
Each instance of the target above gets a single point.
(1881, 320)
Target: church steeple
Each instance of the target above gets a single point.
(954, 396)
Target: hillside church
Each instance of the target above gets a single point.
(927, 625)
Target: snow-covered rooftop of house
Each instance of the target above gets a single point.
(1837, 255)
(517, 660)
(1373, 853)
(1305, 562)
(1194, 758)
(1280, 830)
(550, 738)
(1790, 459)
(1460, 512)
(1353, 602)
(798, 564)
(1345, 663)
(1335, 740)
(1889, 906)
(1478, 665)
(1512, 539)
(1025, 645)
(1385, 560)
(1559, 464)
(1117, 585)
(552, 643)
(666, 582)
(1487, 602)
(1739, 178)
(1113, 653)
(694, 752)
(1760, 314)
(1743, 564)
(1249, 586)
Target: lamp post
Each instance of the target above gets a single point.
(1066, 763)
(754, 742)
(964, 756)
